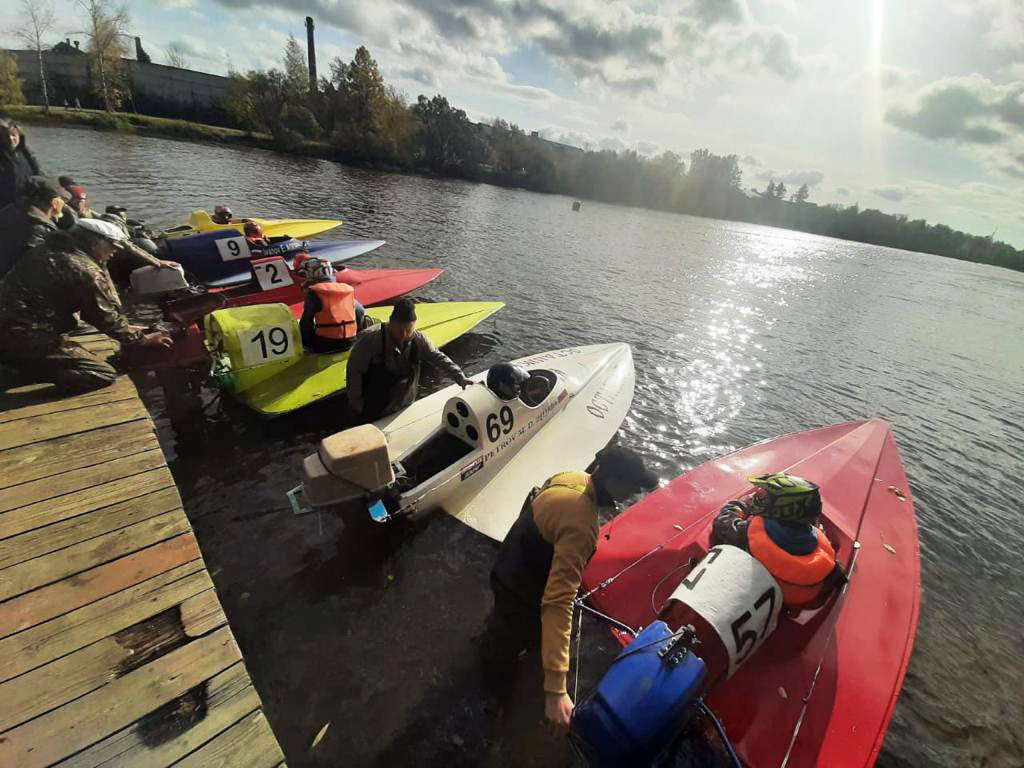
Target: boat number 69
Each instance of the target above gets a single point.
(494, 429)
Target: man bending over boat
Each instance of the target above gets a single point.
(39, 299)
(540, 567)
(383, 372)
(777, 523)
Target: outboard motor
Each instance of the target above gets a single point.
(715, 620)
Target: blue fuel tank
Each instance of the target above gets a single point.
(642, 703)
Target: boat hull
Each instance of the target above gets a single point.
(200, 221)
(829, 679)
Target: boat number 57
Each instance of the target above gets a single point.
(499, 423)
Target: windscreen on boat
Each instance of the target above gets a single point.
(537, 388)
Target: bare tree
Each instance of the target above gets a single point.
(176, 57)
(107, 25)
(38, 18)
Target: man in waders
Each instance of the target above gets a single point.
(540, 566)
(383, 371)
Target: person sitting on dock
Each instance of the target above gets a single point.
(777, 523)
(383, 371)
(39, 300)
(540, 567)
(331, 316)
(26, 223)
(221, 215)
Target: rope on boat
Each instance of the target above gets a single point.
(706, 711)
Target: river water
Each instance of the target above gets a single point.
(739, 333)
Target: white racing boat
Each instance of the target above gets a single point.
(472, 454)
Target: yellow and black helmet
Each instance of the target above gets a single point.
(790, 499)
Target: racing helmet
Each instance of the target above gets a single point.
(505, 380)
(315, 269)
(253, 230)
(786, 498)
(222, 214)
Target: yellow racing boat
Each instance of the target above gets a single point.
(258, 355)
(300, 229)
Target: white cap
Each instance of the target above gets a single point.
(103, 228)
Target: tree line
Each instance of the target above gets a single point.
(354, 116)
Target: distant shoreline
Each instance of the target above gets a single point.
(183, 130)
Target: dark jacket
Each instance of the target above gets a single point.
(21, 229)
(15, 168)
(40, 297)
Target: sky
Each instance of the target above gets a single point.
(907, 106)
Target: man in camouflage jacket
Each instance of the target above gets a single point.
(38, 302)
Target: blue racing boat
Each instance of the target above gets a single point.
(222, 257)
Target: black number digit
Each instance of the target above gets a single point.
(691, 581)
(506, 419)
(741, 640)
(769, 597)
(273, 271)
(234, 247)
(258, 338)
(493, 428)
(278, 340)
(713, 554)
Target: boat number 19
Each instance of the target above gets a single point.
(262, 345)
(496, 429)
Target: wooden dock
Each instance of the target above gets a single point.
(114, 649)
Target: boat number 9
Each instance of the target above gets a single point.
(260, 345)
(496, 429)
(231, 248)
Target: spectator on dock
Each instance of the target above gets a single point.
(39, 300)
(17, 163)
(26, 223)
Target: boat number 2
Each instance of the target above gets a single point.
(272, 274)
(496, 429)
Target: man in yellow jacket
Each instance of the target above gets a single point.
(540, 566)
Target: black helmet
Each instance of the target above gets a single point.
(505, 379)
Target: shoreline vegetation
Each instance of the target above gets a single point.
(354, 117)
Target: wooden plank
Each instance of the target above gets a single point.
(74, 726)
(229, 697)
(62, 635)
(51, 425)
(57, 599)
(65, 454)
(58, 565)
(49, 402)
(83, 671)
(42, 541)
(249, 742)
(58, 682)
(79, 479)
(71, 505)
(202, 613)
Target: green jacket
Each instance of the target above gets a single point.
(40, 296)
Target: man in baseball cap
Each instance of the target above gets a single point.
(27, 221)
(540, 567)
(38, 302)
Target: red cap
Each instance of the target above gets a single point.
(78, 193)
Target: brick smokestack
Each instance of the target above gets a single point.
(312, 54)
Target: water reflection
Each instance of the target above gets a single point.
(739, 333)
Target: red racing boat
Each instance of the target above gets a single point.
(820, 689)
(272, 282)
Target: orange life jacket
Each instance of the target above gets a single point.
(337, 317)
(801, 577)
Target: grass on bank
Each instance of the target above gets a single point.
(145, 125)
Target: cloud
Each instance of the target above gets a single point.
(613, 143)
(842, 192)
(892, 192)
(760, 171)
(420, 75)
(889, 77)
(969, 110)
(648, 148)
(753, 161)
(621, 125)
(567, 136)
(713, 12)
(810, 178)
(772, 49)
(1005, 20)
